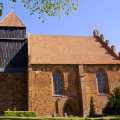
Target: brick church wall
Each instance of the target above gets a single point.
(79, 85)
(41, 97)
(13, 91)
(91, 87)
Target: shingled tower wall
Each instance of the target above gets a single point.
(13, 63)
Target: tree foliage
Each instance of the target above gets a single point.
(92, 112)
(44, 8)
(113, 105)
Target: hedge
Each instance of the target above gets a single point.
(19, 114)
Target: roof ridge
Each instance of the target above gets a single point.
(56, 35)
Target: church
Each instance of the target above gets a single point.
(54, 75)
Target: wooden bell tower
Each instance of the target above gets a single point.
(13, 44)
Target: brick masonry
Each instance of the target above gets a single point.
(41, 96)
(13, 91)
(35, 92)
(79, 85)
(91, 87)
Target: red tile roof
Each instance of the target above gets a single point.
(68, 50)
(11, 20)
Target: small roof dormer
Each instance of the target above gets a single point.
(11, 20)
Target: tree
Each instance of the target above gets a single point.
(92, 112)
(113, 105)
(45, 8)
(1, 8)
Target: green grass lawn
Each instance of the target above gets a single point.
(59, 118)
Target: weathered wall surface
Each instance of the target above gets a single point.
(13, 91)
(90, 85)
(79, 85)
(41, 94)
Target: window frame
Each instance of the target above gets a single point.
(53, 86)
(106, 83)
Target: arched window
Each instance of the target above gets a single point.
(102, 81)
(57, 82)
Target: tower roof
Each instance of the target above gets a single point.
(11, 20)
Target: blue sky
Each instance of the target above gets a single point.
(101, 14)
